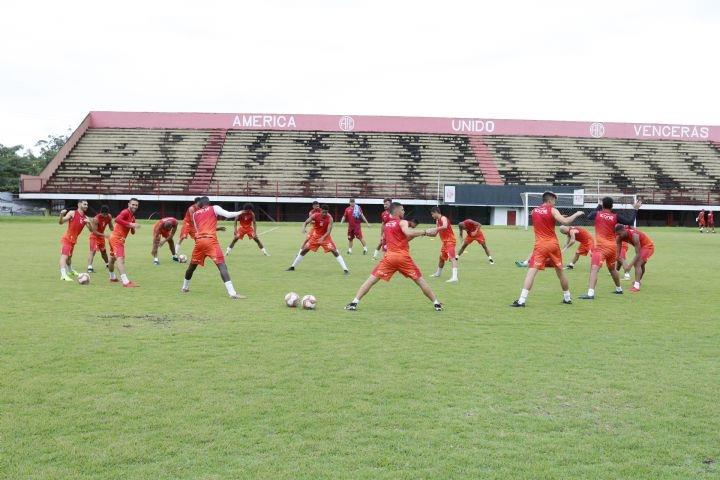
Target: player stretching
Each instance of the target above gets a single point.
(319, 237)
(77, 221)
(164, 231)
(700, 219)
(204, 220)
(605, 251)
(397, 234)
(354, 214)
(187, 228)
(644, 249)
(577, 234)
(546, 251)
(384, 218)
(711, 221)
(247, 226)
(447, 250)
(315, 209)
(124, 223)
(474, 234)
(97, 242)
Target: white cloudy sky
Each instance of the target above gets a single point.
(649, 61)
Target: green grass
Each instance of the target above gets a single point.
(109, 383)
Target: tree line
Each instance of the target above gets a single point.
(16, 161)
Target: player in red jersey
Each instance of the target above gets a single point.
(711, 221)
(581, 236)
(384, 218)
(204, 220)
(546, 252)
(97, 242)
(163, 232)
(474, 234)
(397, 234)
(320, 237)
(125, 224)
(245, 226)
(700, 219)
(354, 216)
(187, 227)
(605, 251)
(644, 249)
(77, 221)
(447, 249)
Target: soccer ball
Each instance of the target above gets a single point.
(182, 258)
(83, 279)
(308, 302)
(292, 299)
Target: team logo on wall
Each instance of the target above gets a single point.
(597, 130)
(346, 123)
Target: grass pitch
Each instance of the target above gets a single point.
(103, 382)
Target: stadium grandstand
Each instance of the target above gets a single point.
(284, 161)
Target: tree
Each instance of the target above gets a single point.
(14, 161)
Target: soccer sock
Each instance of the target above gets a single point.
(591, 292)
(523, 296)
(264, 250)
(376, 253)
(436, 302)
(155, 259)
(571, 264)
(124, 279)
(230, 288)
(365, 249)
(112, 276)
(349, 250)
(297, 260)
(566, 295)
(454, 273)
(618, 289)
(177, 249)
(356, 300)
(636, 285)
(341, 261)
(186, 284)
(63, 272)
(438, 272)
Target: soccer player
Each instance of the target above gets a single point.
(711, 221)
(644, 249)
(605, 251)
(353, 214)
(97, 242)
(546, 252)
(124, 224)
(164, 231)
(701, 220)
(247, 226)
(580, 235)
(384, 218)
(474, 234)
(397, 234)
(77, 221)
(319, 237)
(447, 250)
(187, 229)
(315, 209)
(204, 220)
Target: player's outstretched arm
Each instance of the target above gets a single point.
(224, 213)
(411, 233)
(562, 219)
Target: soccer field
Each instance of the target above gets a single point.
(104, 382)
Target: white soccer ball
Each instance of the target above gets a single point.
(292, 299)
(83, 279)
(182, 258)
(308, 302)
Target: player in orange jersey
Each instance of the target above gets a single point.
(77, 221)
(315, 209)
(125, 224)
(384, 218)
(546, 252)
(474, 234)
(163, 232)
(604, 250)
(397, 234)
(204, 220)
(447, 250)
(245, 226)
(187, 227)
(354, 216)
(700, 219)
(581, 236)
(97, 242)
(320, 237)
(644, 249)
(711, 221)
